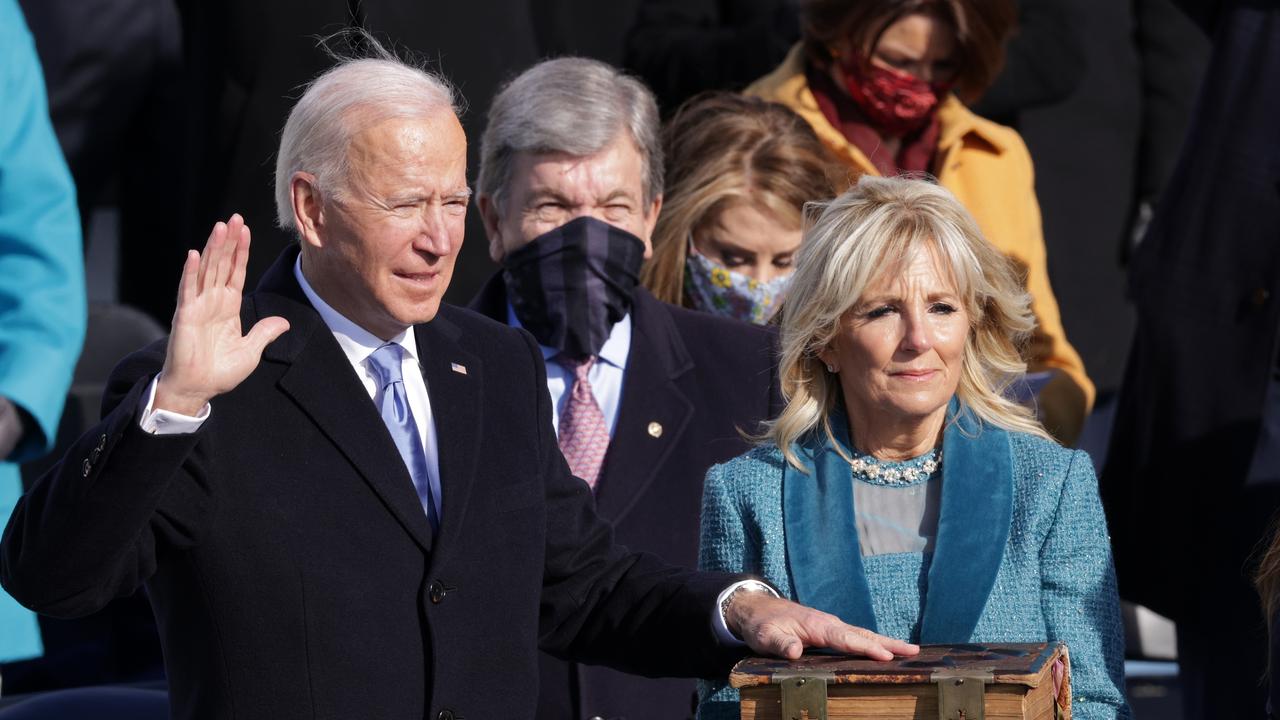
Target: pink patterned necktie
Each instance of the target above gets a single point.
(584, 436)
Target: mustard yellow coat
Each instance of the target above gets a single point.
(988, 168)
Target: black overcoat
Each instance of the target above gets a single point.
(291, 568)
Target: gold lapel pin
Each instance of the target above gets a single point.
(655, 429)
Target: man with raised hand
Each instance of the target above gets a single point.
(358, 508)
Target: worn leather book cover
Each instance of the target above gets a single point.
(999, 681)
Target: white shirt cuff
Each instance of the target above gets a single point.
(718, 624)
(167, 422)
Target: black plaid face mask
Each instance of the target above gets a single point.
(570, 285)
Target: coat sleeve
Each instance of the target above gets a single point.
(94, 526)
(1079, 599)
(602, 604)
(42, 289)
(721, 548)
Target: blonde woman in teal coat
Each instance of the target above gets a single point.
(901, 489)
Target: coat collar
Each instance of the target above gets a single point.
(787, 85)
(821, 535)
(650, 395)
(320, 381)
(651, 399)
(973, 528)
(455, 384)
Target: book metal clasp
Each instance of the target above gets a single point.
(962, 693)
(804, 695)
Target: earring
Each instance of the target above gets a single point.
(831, 368)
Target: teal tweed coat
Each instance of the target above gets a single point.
(1022, 553)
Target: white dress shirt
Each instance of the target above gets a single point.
(357, 344)
(606, 374)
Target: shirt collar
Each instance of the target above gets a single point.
(615, 348)
(356, 342)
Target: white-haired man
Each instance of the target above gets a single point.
(357, 509)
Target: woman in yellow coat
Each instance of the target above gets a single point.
(881, 82)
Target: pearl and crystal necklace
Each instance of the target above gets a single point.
(883, 472)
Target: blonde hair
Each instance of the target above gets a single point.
(1267, 581)
(724, 149)
(873, 229)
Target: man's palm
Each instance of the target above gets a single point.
(208, 354)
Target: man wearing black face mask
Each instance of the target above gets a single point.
(646, 396)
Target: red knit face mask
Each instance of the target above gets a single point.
(894, 101)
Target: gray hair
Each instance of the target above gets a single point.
(353, 95)
(568, 105)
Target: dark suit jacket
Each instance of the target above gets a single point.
(702, 378)
(292, 570)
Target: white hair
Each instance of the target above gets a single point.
(353, 95)
(571, 105)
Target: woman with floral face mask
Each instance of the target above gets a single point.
(884, 83)
(739, 171)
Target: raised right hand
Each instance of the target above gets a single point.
(208, 355)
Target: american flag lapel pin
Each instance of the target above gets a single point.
(460, 369)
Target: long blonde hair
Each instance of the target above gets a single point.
(722, 149)
(856, 239)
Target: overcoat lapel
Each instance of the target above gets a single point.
(320, 381)
(454, 380)
(973, 527)
(650, 394)
(821, 535)
(654, 414)
(977, 509)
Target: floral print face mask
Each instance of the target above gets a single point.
(712, 287)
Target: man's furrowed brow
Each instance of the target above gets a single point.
(538, 195)
(618, 194)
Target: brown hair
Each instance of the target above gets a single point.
(721, 149)
(981, 27)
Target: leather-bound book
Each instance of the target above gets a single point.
(1005, 681)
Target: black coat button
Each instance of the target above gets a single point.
(445, 715)
(1260, 296)
(436, 591)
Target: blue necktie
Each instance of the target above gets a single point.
(393, 403)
